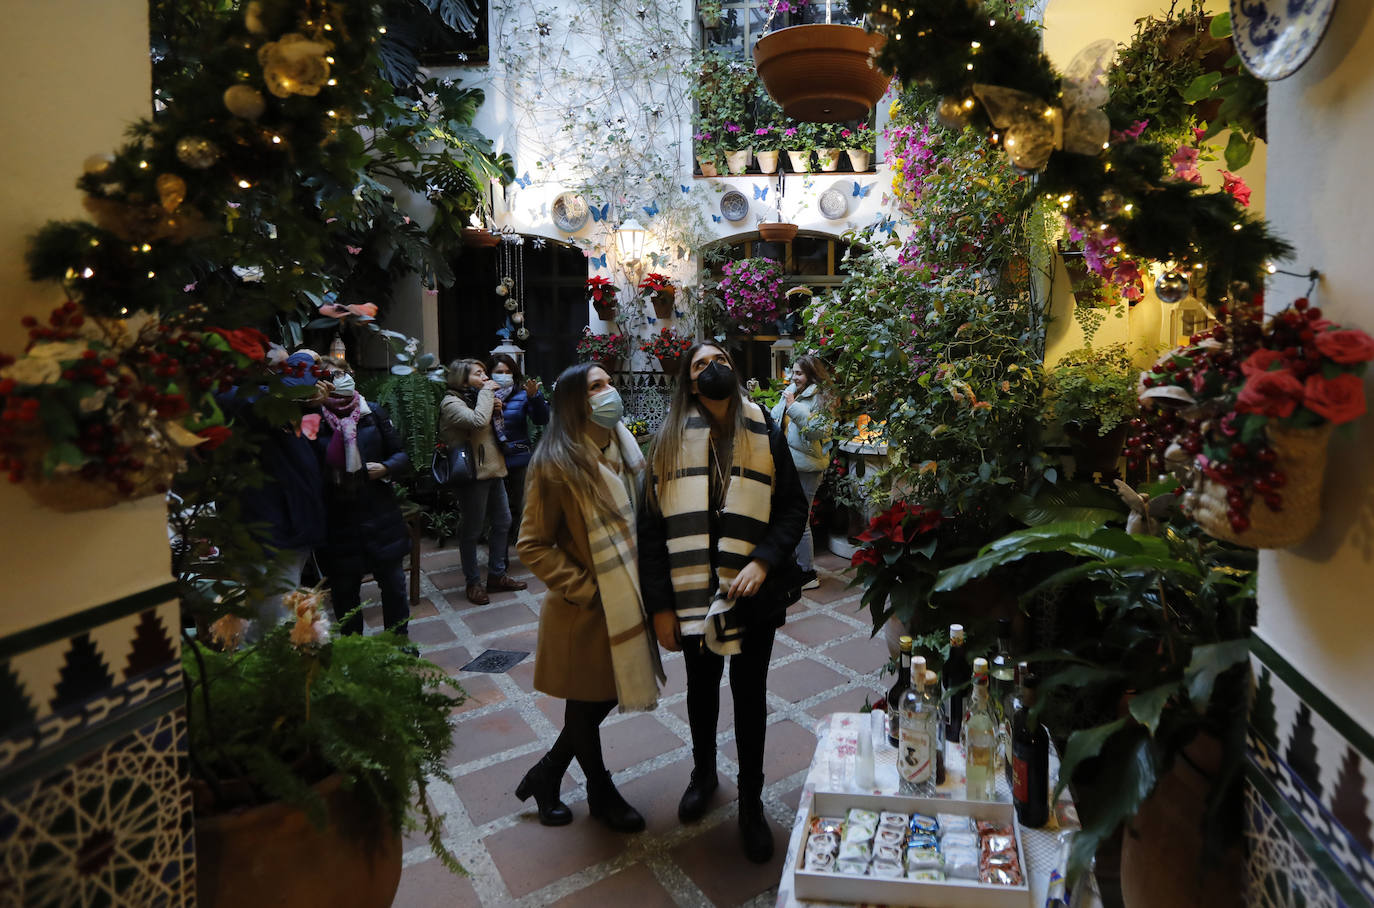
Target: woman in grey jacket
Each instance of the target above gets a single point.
(469, 415)
(802, 410)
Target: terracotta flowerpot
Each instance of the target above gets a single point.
(479, 237)
(670, 364)
(829, 159)
(610, 363)
(800, 161)
(774, 232)
(273, 857)
(1167, 833)
(708, 167)
(1094, 453)
(737, 161)
(768, 161)
(605, 311)
(858, 159)
(821, 73)
(663, 302)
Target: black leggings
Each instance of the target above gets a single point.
(581, 736)
(748, 688)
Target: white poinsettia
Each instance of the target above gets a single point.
(59, 350)
(33, 370)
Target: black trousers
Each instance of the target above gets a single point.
(344, 589)
(749, 690)
(581, 737)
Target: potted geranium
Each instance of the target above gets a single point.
(738, 141)
(752, 291)
(659, 290)
(669, 347)
(607, 349)
(601, 293)
(828, 145)
(709, 152)
(799, 140)
(1246, 410)
(1090, 394)
(859, 144)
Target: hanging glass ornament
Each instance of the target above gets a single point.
(1029, 143)
(1171, 286)
(197, 151)
(522, 333)
(244, 101)
(517, 318)
(171, 191)
(511, 304)
(954, 113)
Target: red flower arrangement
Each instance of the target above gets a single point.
(899, 560)
(602, 348)
(1237, 385)
(667, 344)
(655, 283)
(601, 291)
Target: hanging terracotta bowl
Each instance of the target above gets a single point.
(479, 237)
(821, 73)
(773, 232)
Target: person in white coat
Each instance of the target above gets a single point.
(802, 410)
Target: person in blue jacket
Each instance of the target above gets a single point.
(520, 400)
(359, 452)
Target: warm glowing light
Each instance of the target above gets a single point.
(968, 104)
(88, 273)
(1235, 226)
(332, 82)
(145, 248)
(276, 140)
(970, 67)
(381, 30)
(1128, 207)
(1271, 268)
(333, 113)
(151, 275)
(142, 165)
(976, 45)
(244, 184)
(329, 60)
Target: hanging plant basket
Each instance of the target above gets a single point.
(663, 302)
(821, 73)
(611, 363)
(670, 364)
(777, 232)
(479, 237)
(605, 311)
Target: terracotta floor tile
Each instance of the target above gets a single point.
(656, 794)
(452, 658)
(676, 671)
(423, 609)
(716, 864)
(635, 885)
(481, 691)
(866, 655)
(801, 679)
(816, 630)
(430, 885)
(832, 590)
(431, 632)
(536, 586)
(551, 707)
(529, 856)
(491, 620)
(849, 700)
(451, 579)
(635, 739)
(787, 748)
(830, 561)
(490, 793)
(792, 798)
(487, 735)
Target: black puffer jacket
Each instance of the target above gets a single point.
(362, 516)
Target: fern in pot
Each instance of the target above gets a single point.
(1090, 394)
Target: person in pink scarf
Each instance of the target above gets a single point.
(360, 452)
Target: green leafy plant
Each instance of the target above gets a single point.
(1092, 388)
(602, 348)
(270, 719)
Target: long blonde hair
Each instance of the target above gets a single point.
(564, 454)
(666, 454)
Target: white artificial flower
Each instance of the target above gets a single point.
(33, 371)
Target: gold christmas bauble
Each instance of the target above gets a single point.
(244, 101)
(954, 113)
(98, 164)
(171, 191)
(197, 151)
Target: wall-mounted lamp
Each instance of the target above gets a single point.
(629, 246)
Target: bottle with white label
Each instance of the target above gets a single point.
(980, 740)
(919, 735)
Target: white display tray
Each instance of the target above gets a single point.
(839, 887)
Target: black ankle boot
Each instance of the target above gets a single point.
(697, 797)
(754, 833)
(543, 781)
(606, 804)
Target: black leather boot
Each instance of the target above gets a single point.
(606, 804)
(754, 833)
(697, 797)
(543, 781)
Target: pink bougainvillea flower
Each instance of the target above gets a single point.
(1235, 187)
(1130, 133)
(1185, 164)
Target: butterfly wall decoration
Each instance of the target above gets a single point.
(598, 260)
(761, 193)
(600, 214)
(861, 192)
(651, 209)
(524, 181)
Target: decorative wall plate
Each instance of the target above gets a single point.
(734, 206)
(833, 203)
(1276, 37)
(569, 212)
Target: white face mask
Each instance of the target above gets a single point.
(503, 379)
(607, 408)
(344, 386)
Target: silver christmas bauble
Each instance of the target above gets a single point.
(512, 305)
(517, 318)
(1171, 286)
(244, 101)
(197, 151)
(523, 333)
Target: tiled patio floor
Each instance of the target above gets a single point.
(823, 661)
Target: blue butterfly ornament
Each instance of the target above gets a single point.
(524, 181)
(761, 193)
(862, 191)
(600, 214)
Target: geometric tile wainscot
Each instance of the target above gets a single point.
(94, 804)
(1310, 793)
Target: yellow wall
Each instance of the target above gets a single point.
(74, 74)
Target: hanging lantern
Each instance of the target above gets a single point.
(821, 73)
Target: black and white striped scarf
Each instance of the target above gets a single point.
(685, 503)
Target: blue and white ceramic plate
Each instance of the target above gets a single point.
(734, 206)
(569, 212)
(1276, 37)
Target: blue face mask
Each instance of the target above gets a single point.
(607, 408)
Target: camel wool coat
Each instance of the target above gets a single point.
(572, 659)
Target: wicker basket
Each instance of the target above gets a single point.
(71, 493)
(1302, 459)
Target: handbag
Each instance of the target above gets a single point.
(453, 465)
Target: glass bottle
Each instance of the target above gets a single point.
(1022, 670)
(899, 687)
(1002, 675)
(980, 739)
(919, 735)
(953, 677)
(932, 695)
(1030, 760)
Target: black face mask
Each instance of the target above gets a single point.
(717, 381)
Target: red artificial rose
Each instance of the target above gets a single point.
(1270, 394)
(1345, 346)
(214, 436)
(1260, 361)
(1339, 399)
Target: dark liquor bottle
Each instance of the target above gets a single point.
(899, 687)
(954, 678)
(933, 692)
(1030, 760)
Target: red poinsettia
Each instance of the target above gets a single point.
(655, 283)
(601, 290)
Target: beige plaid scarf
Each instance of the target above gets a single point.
(634, 655)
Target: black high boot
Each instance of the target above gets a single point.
(697, 798)
(755, 836)
(606, 804)
(543, 781)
